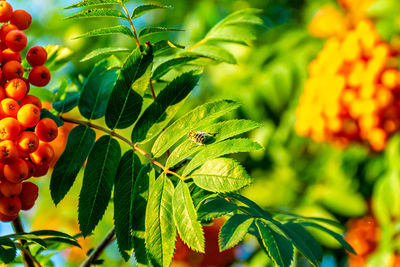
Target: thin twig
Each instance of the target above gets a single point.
(95, 254)
(132, 26)
(26, 254)
(120, 137)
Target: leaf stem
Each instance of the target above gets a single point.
(132, 26)
(94, 255)
(120, 137)
(28, 259)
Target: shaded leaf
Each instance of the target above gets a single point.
(70, 101)
(277, 247)
(128, 170)
(98, 180)
(185, 217)
(233, 231)
(164, 45)
(125, 103)
(166, 66)
(215, 208)
(160, 228)
(145, 180)
(79, 144)
(221, 175)
(8, 251)
(198, 117)
(97, 89)
(164, 107)
(337, 236)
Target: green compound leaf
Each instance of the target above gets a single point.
(85, 3)
(164, 108)
(164, 45)
(160, 228)
(98, 13)
(303, 241)
(277, 247)
(128, 170)
(8, 251)
(215, 208)
(219, 149)
(98, 180)
(143, 9)
(79, 144)
(145, 180)
(154, 30)
(97, 89)
(233, 231)
(221, 175)
(126, 101)
(185, 217)
(166, 66)
(119, 29)
(198, 117)
(104, 51)
(221, 131)
(70, 101)
(337, 236)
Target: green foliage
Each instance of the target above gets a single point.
(98, 181)
(125, 104)
(185, 217)
(80, 143)
(7, 250)
(196, 183)
(234, 230)
(221, 175)
(160, 228)
(128, 170)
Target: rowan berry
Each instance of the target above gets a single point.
(16, 171)
(29, 195)
(36, 56)
(9, 107)
(28, 142)
(9, 189)
(5, 29)
(43, 155)
(9, 55)
(13, 69)
(9, 128)
(2, 93)
(16, 40)
(21, 19)
(46, 130)
(6, 11)
(39, 76)
(31, 99)
(28, 115)
(7, 218)
(41, 170)
(8, 151)
(31, 169)
(16, 89)
(10, 205)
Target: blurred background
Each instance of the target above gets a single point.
(322, 79)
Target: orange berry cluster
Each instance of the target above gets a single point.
(353, 91)
(24, 138)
